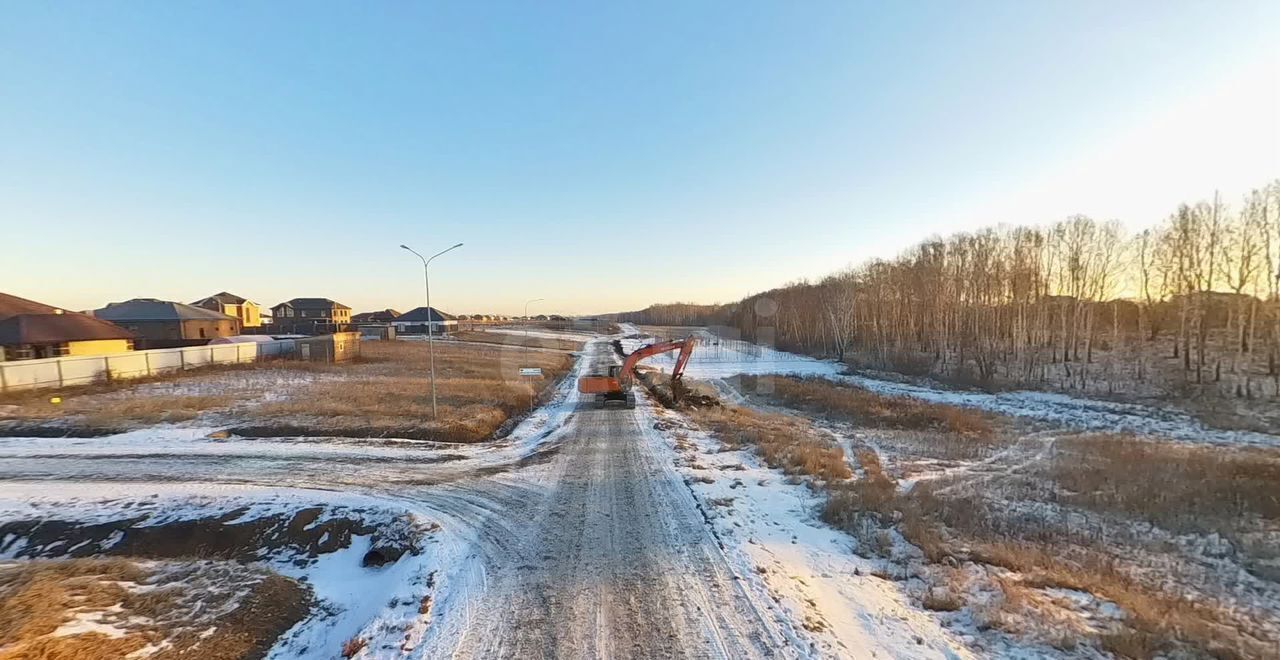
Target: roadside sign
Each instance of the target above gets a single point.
(531, 371)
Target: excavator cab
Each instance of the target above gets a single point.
(608, 388)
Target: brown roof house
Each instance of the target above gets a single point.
(380, 316)
(165, 324)
(310, 316)
(30, 330)
(247, 311)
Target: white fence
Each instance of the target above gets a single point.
(86, 369)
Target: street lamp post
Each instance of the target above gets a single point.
(527, 320)
(431, 348)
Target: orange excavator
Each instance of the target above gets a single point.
(616, 385)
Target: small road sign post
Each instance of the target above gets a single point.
(531, 372)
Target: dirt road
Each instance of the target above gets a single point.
(607, 555)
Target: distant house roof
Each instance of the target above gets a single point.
(312, 303)
(24, 321)
(151, 309)
(380, 315)
(423, 315)
(222, 298)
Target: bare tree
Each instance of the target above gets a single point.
(1073, 305)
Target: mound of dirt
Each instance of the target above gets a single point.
(303, 534)
(54, 429)
(679, 396)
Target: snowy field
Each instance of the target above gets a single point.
(490, 530)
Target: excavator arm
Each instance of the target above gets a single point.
(685, 346)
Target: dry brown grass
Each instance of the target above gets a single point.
(1157, 618)
(784, 442)
(853, 404)
(1158, 615)
(860, 506)
(478, 390)
(136, 402)
(38, 597)
(353, 646)
(942, 600)
(1114, 475)
(152, 410)
(1181, 487)
(1028, 611)
(864, 506)
(125, 412)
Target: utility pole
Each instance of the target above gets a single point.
(431, 349)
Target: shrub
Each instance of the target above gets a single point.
(1201, 489)
(353, 646)
(783, 441)
(861, 406)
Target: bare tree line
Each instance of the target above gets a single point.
(1191, 306)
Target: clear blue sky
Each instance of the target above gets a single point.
(600, 155)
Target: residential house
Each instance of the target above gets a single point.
(415, 322)
(165, 324)
(30, 330)
(230, 304)
(310, 316)
(380, 316)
